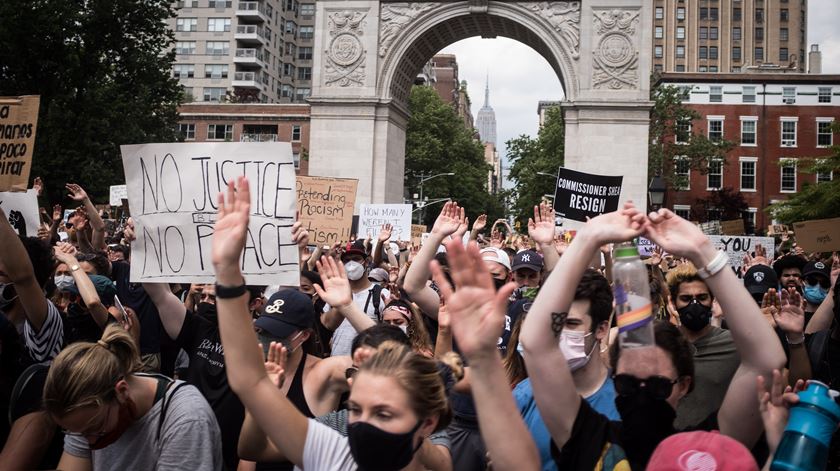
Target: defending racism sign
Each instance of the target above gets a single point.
(579, 194)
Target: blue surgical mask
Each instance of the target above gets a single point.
(64, 282)
(814, 294)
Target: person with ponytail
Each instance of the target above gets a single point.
(117, 418)
(397, 399)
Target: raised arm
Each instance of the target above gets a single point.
(541, 230)
(379, 251)
(478, 317)
(756, 342)
(285, 426)
(554, 388)
(66, 253)
(172, 310)
(15, 263)
(790, 317)
(77, 193)
(478, 226)
(426, 298)
(56, 222)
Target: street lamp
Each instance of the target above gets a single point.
(656, 192)
(545, 174)
(424, 179)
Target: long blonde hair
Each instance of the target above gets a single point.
(85, 373)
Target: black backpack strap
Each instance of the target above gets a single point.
(377, 300)
(167, 400)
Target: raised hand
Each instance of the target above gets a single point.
(300, 235)
(385, 233)
(674, 234)
(65, 253)
(77, 193)
(129, 232)
(275, 363)
(480, 223)
(231, 226)
(476, 310)
(38, 186)
(449, 219)
(336, 290)
(770, 306)
(617, 226)
(57, 213)
(496, 239)
(791, 317)
(775, 406)
(462, 227)
(541, 227)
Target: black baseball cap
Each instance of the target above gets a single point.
(816, 268)
(529, 259)
(356, 248)
(760, 278)
(287, 312)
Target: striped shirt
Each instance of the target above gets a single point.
(43, 345)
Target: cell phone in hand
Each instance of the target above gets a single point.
(120, 307)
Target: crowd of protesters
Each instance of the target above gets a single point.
(480, 348)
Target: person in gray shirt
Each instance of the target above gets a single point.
(117, 418)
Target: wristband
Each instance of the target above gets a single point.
(798, 341)
(717, 264)
(230, 292)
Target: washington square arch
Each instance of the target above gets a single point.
(369, 52)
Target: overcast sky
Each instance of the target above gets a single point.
(523, 77)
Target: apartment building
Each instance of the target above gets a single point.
(728, 35)
(244, 51)
(775, 120)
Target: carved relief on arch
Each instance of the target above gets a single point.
(345, 52)
(615, 56)
(393, 19)
(564, 18)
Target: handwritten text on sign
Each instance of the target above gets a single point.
(18, 123)
(325, 207)
(579, 194)
(172, 193)
(373, 216)
(737, 246)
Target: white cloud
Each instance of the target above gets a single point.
(823, 29)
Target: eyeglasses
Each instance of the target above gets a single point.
(813, 280)
(701, 298)
(101, 427)
(658, 387)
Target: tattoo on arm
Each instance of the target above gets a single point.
(558, 321)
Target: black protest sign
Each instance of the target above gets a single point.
(579, 194)
(18, 123)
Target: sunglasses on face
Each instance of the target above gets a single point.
(813, 280)
(701, 298)
(658, 387)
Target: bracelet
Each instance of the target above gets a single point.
(230, 292)
(717, 264)
(799, 341)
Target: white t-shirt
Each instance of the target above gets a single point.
(342, 340)
(326, 449)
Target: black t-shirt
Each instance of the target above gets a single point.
(134, 296)
(199, 337)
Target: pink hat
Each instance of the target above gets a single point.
(701, 451)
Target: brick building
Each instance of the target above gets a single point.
(207, 122)
(775, 120)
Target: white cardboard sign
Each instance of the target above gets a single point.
(22, 210)
(373, 216)
(736, 246)
(118, 193)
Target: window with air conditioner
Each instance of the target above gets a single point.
(788, 133)
(789, 95)
(715, 94)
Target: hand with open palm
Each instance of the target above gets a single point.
(336, 290)
(790, 317)
(541, 227)
(230, 231)
(275, 364)
(449, 219)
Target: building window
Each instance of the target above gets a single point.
(680, 32)
(288, 70)
(682, 131)
(715, 128)
(290, 49)
(305, 53)
(183, 70)
(307, 9)
(295, 132)
(825, 177)
(187, 131)
(713, 52)
(783, 14)
(218, 24)
(685, 93)
(736, 33)
(713, 33)
(736, 14)
(704, 52)
(185, 47)
(789, 95)
(715, 94)
(680, 51)
(657, 68)
(713, 68)
(219, 132)
(788, 132)
(286, 91)
(788, 176)
(704, 32)
(824, 95)
(783, 54)
(759, 53)
(713, 14)
(186, 24)
(217, 48)
(214, 93)
(306, 32)
(291, 27)
(783, 34)
(736, 53)
(825, 135)
(715, 175)
(302, 93)
(703, 68)
(659, 13)
(658, 32)
(749, 219)
(683, 211)
(759, 15)
(216, 71)
(680, 13)
(657, 51)
(748, 173)
(304, 73)
(219, 3)
(759, 34)
(682, 172)
(680, 68)
(748, 131)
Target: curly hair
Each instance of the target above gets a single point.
(685, 273)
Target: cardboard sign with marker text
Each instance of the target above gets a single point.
(820, 235)
(325, 207)
(373, 216)
(18, 123)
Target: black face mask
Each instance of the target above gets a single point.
(207, 311)
(645, 422)
(374, 449)
(695, 316)
(499, 283)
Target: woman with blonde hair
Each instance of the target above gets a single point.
(117, 418)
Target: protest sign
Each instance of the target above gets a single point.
(579, 194)
(710, 228)
(18, 123)
(777, 229)
(22, 211)
(417, 231)
(737, 246)
(645, 246)
(373, 216)
(733, 227)
(172, 191)
(118, 193)
(325, 207)
(820, 235)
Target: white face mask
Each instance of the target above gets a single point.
(355, 270)
(63, 282)
(573, 346)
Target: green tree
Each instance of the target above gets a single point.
(669, 120)
(726, 204)
(438, 142)
(103, 71)
(530, 159)
(814, 201)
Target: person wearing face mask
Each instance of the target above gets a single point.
(715, 356)
(367, 296)
(816, 280)
(117, 418)
(647, 394)
(407, 318)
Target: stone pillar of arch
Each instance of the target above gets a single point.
(367, 54)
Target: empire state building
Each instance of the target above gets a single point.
(486, 119)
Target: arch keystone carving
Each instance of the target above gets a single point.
(345, 51)
(564, 17)
(615, 55)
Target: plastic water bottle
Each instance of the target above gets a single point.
(812, 422)
(634, 315)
